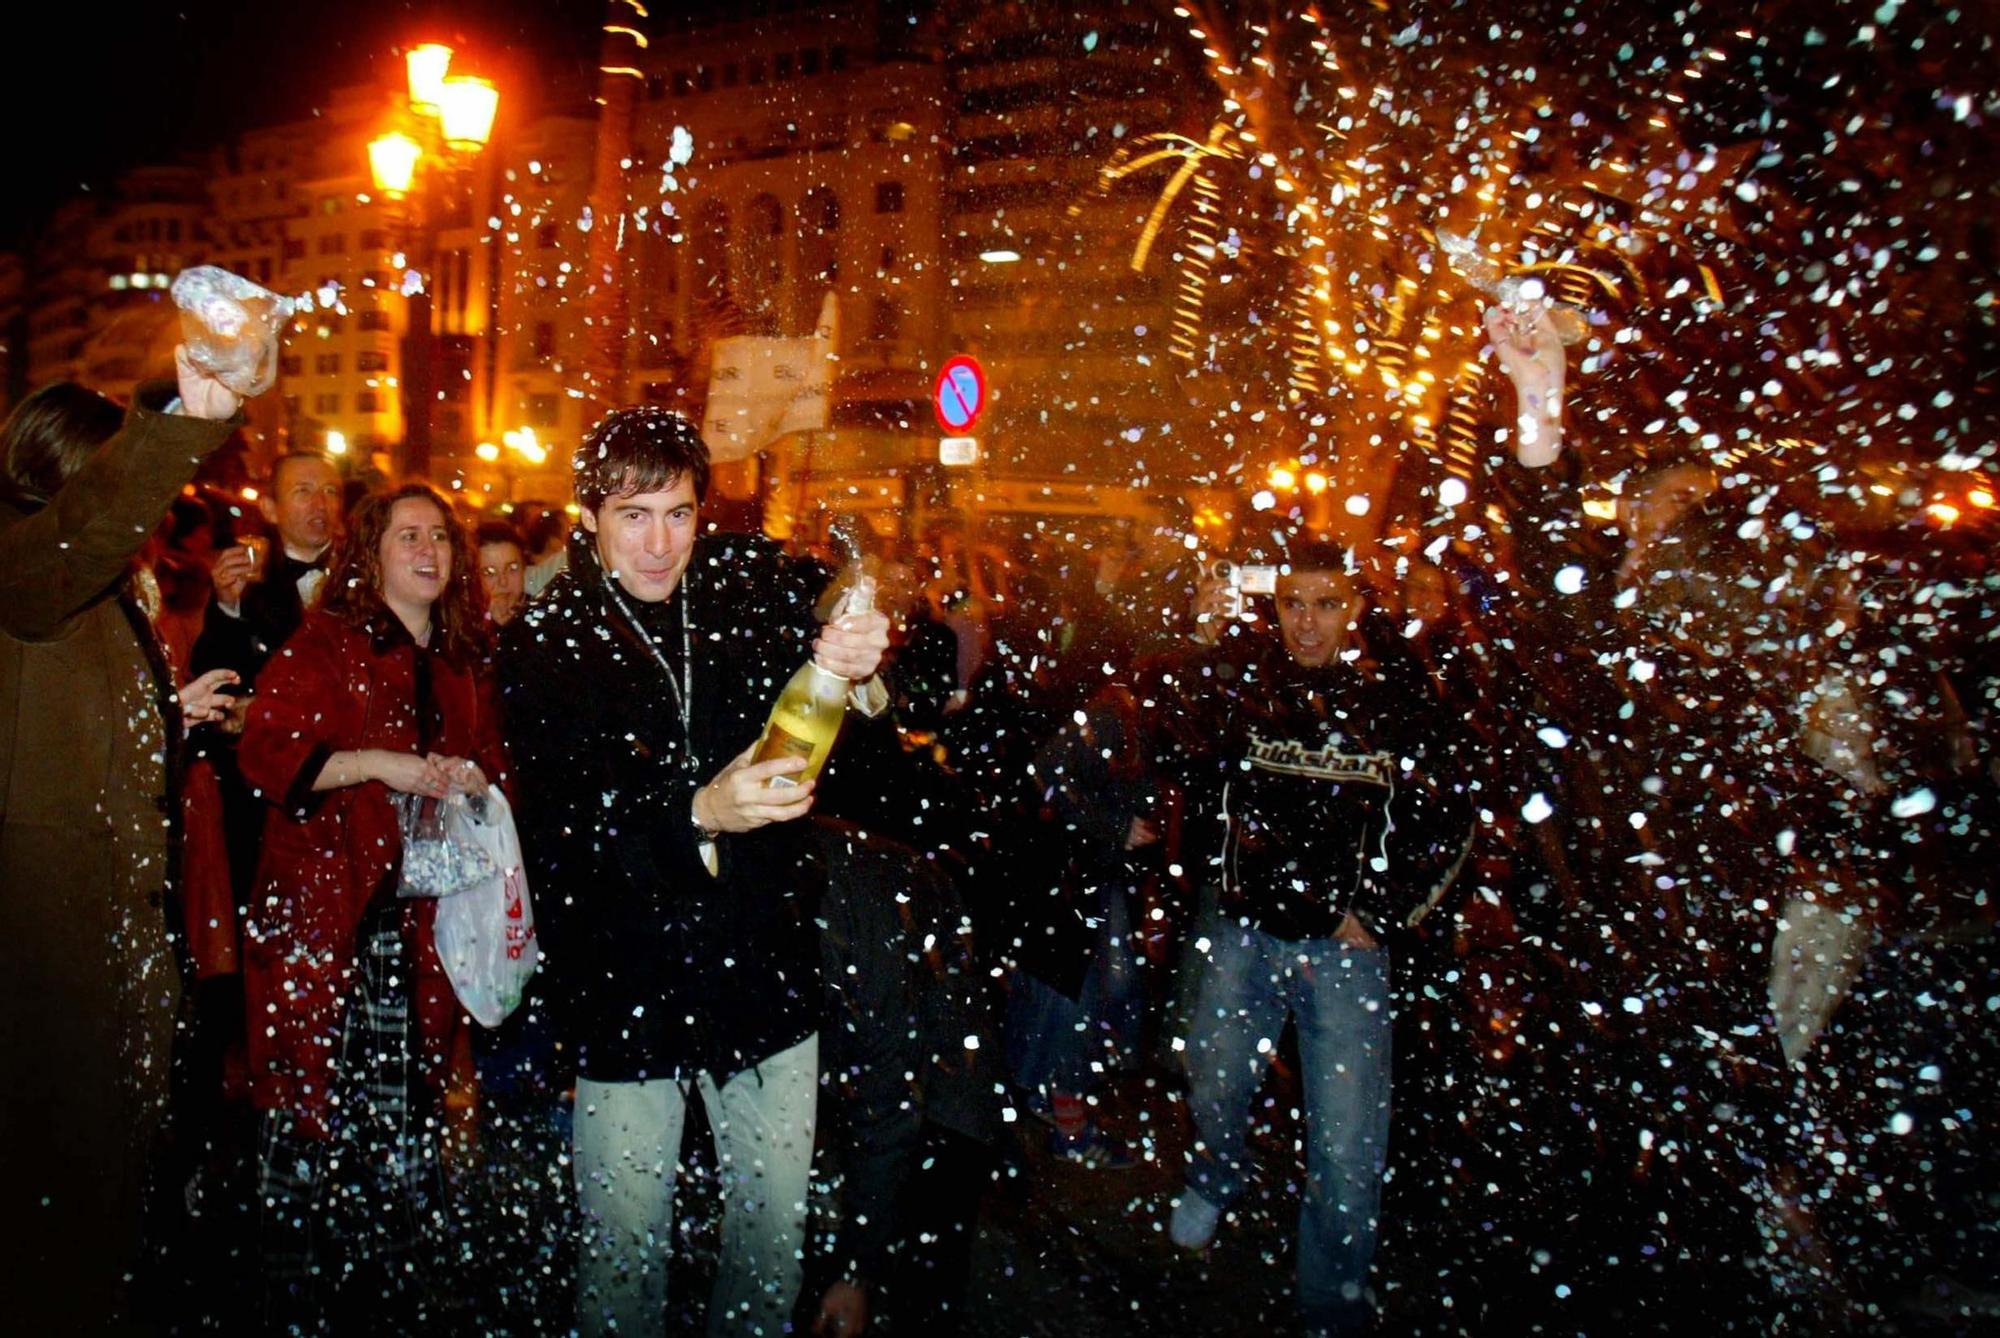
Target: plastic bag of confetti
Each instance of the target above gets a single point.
(442, 853)
(230, 327)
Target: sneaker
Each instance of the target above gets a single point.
(1091, 1151)
(1194, 1221)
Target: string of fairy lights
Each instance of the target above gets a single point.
(1373, 322)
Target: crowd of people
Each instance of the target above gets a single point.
(1597, 887)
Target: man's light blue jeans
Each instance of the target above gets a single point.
(628, 1142)
(1340, 997)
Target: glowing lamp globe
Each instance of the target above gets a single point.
(467, 110)
(392, 160)
(428, 64)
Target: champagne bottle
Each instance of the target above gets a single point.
(806, 718)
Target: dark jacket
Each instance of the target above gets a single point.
(908, 1037)
(657, 969)
(1343, 788)
(329, 856)
(1090, 781)
(88, 735)
(270, 612)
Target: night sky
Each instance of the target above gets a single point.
(105, 87)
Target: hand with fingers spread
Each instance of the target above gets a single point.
(203, 700)
(743, 798)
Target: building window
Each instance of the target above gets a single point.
(173, 229)
(332, 243)
(884, 321)
(367, 401)
(683, 83)
(819, 254)
(657, 392)
(370, 361)
(809, 61)
(731, 75)
(545, 339)
(888, 197)
(374, 320)
(374, 239)
(781, 65)
(888, 263)
(711, 250)
(704, 78)
(291, 403)
(548, 236)
(326, 404)
(544, 411)
(291, 364)
(753, 71)
(763, 261)
(295, 248)
(837, 58)
(656, 87)
(327, 364)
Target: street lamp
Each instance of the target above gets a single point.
(466, 112)
(392, 161)
(427, 65)
(458, 110)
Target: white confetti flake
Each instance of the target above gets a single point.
(1915, 804)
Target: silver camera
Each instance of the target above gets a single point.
(1243, 579)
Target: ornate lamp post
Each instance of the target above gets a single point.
(455, 113)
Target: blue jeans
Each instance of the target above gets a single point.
(1340, 997)
(1053, 1041)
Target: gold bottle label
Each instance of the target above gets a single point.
(781, 742)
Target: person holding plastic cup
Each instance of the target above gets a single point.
(386, 687)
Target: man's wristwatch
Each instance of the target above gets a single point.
(704, 839)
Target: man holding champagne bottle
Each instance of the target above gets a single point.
(673, 887)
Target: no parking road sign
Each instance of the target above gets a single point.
(960, 394)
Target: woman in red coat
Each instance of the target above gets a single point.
(385, 687)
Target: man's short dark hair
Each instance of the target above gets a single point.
(490, 531)
(638, 450)
(1316, 555)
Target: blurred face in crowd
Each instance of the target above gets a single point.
(304, 503)
(1315, 611)
(500, 577)
(645, 538)
(1652, 505)
(416, 557)
(1424, 594)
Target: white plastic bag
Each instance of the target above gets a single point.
(486, 933)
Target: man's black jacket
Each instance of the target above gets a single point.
(1339, 789)
(908, 1037)
(656, 968)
